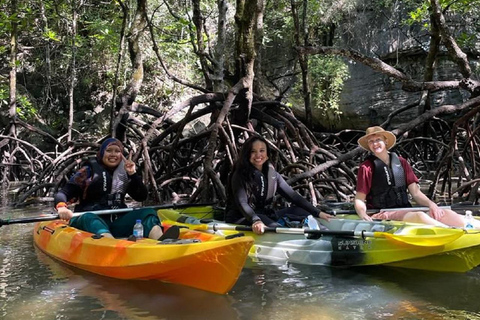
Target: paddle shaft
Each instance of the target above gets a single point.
(416, 240)
(50, 217)
(372, 211)
(343, 233)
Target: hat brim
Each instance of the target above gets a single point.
(390, 138)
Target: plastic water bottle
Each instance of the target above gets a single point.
(138, 229)
(468, 220)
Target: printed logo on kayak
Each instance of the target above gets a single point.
(353, 244)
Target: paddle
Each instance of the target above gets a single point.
(54, 216)
(413, 235)
(334, 211)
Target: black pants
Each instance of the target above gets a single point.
(292, 213)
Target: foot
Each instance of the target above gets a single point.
(172, 233)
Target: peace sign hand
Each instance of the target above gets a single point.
(130, 167)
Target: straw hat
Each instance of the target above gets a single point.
(390, 138)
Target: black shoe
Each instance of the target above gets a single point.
(172, 233)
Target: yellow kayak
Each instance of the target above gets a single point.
(353, 242)
(200, 260)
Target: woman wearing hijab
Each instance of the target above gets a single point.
(101, 184)
(385, 179)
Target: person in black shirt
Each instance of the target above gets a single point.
(252, 187)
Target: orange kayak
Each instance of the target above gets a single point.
(199, 260)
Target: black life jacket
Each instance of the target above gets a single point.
(389, 186)
(266, 188)
(262, 197)
(105, 190)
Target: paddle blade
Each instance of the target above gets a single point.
(423, 236)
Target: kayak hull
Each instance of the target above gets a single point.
(213, 264)
(459, 255)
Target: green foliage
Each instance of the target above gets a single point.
(51, 35)
(4, 96)
(327, 76)
(25, 109)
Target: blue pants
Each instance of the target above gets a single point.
(120, 226)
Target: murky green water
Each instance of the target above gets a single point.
(33, 286)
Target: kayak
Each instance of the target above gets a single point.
(197, 259)
(390, 243)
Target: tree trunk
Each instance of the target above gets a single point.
(136, 57)
(247, 19)
(121, 52)
(219, 52)
(301, 33)
(73, 69)
(8, 159)
(13, 71)
(198, 20)
(246, 22)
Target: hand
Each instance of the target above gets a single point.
(365, 217)
(64, 213)
(258, 227)
(130, 167)
(325, 216)
(435, 212)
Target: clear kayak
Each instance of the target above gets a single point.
(351, 242)
(200, 260)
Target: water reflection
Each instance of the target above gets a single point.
(140, 299)
(33, 286)
(311, 292)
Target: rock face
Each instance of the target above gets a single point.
(368, 96)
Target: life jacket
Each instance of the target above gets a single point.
(264, 196)
(389, 186)
(104, 190)
(267, 186)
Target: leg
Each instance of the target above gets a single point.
(453, 219)
(90, 222)
(422, 217)
(123, 226)
(156, 232)
(268, 221)
(293, 213)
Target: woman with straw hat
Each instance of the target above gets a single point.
(383, 181)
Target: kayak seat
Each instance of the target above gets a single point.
(378, 227)
(369, 227)
(349, 226)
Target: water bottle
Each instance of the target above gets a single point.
(138, 229)
(468, 220)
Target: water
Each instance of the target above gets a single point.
(33, 286)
